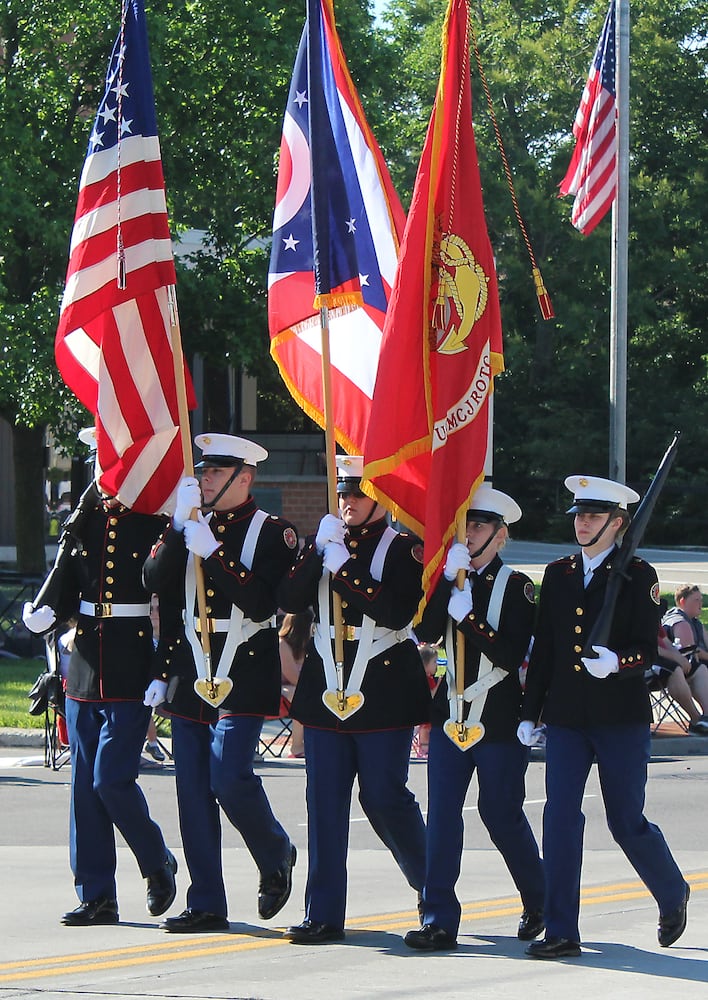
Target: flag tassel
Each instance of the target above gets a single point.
(544, 299)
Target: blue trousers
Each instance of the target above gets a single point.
(501, 770)
(380, 761)
(199, 817)
(106, 739)
(622, 754)
(241, 794)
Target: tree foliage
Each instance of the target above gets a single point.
(551, 405)
(221, 76)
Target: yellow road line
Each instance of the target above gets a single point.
(179, 948)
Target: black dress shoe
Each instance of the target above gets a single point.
(531, 925)
(274, 890)
(195, 922)
(96, 911)
(554, 947)
(430, 937)
(162, 887)
(672, 926)
(312, 932)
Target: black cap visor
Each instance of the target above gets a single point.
(219, 462)
(593, 507)
(485, 516)
(351, 485)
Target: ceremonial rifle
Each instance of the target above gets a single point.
(599, 634)
(70, 537)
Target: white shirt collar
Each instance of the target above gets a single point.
(592, 564)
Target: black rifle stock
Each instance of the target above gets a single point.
(599, 633)
(70, 535)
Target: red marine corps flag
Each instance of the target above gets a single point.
(114, 344)
(426, 444)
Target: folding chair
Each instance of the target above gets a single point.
(277, 738)
(664, 708)
(56, 752)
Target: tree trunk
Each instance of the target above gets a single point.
(30, 503)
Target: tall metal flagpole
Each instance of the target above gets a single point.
(620, 237)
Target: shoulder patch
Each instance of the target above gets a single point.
(417, 552)
(655, 594)
(530, 593)
(290, 537)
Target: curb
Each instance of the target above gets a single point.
(661, 746)
(21, 737)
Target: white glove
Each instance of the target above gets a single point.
(198, 537)
(530, 735)
(460, 603)
(331, 529)
(605, 664)
(335, 555)
(189, 496)
(38, 620)
(457, 558)
(155, 694)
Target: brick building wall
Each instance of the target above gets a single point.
(300, 499)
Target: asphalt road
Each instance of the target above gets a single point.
(39, 957)
(673, 566)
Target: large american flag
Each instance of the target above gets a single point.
(592, 174)
(336, 231)
(113, 345)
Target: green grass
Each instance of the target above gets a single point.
(16, 678)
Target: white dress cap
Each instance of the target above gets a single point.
(87, 436)
(592, 493)
(349, 466)
(493, 503)
(221, 448)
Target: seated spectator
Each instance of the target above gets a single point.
(685, 679)
(294, 634)
(682, 622)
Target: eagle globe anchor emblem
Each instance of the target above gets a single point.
(461, 295)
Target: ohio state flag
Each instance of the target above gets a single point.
(336, 231)
(426, 444)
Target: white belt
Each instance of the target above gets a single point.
(108, 610)
(352, 633)
(224, 624)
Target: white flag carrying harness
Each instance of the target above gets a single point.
(487, 676)
(238, 628)
(373, 639)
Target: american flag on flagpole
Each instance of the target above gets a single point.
(592, 174)
(331, 168)
(113, 345)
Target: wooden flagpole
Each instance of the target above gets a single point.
(332, 503)
(183, 412)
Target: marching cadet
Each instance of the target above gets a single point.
(101, 584)
(358, 717)
(495, 614)
(245, 552)
(190, 720)
(596, 708)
